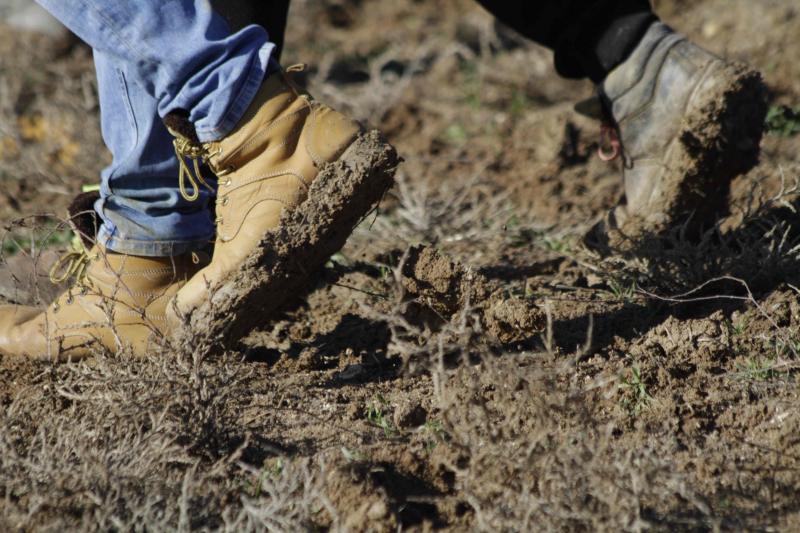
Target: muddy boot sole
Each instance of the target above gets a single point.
(719, 140)
(343, 193)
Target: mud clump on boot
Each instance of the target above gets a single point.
(444, 287)
(288, 256)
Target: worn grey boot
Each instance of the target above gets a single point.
(689, 122)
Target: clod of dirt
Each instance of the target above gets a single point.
(371, 513)
(513, 319)
(440, 283)
(351, 373)
(446, 287)
(339, 198)
(408, 413)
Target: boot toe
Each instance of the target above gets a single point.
(13, 338)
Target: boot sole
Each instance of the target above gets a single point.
(343, 193)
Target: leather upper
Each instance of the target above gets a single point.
(120, 303)
(264, 166)
(649, 95)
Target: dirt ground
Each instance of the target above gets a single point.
(464, 363)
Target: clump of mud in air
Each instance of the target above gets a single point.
(445, 287)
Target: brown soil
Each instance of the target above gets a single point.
(463, 363)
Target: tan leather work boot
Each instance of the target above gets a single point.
(287, 151)
(117, 301)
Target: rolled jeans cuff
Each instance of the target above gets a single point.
(259, 69)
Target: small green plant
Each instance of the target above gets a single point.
(519, 103)
(555, 244)
(338, 258)
(622, 293)
(636, 397)
(272, 469)
(435, 434)
(758, 369)
(738, 329)
(16, 241)
(520, 237)
(377, 415)
(473, 85)
(786, 347)
(783, 121)
(385, 272)
(455, 134)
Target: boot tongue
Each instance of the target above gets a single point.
(83, 218)
(591, 108)
(179, 126)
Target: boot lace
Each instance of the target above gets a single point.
(197, 154)
(73, 264)
(610, 144)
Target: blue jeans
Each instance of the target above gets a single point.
(153, 57)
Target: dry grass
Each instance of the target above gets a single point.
(659, 395)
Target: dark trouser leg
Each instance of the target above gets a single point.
(271, 14)
(273, 17)
(589, 37)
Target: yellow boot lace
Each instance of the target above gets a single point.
(187, 150)
(74, 263)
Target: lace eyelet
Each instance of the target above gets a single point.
(224, 200)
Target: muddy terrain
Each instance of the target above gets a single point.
(465, 362)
